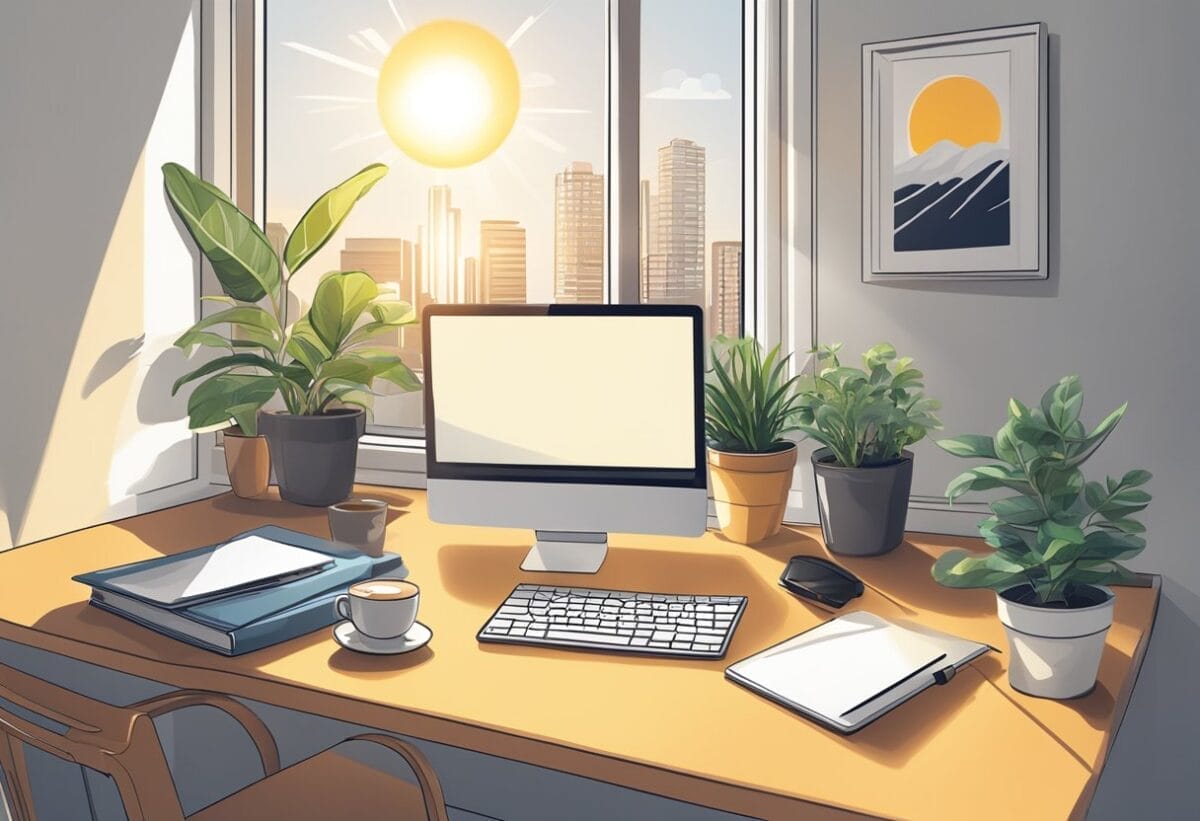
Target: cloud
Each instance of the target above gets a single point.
(677, 85)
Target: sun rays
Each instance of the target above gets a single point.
(372, 44)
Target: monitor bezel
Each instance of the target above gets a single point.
(694, 477)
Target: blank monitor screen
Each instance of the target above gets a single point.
(564, 390)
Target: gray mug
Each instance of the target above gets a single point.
(360, 523)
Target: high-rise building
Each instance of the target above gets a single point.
(579, 234)
(679, 275)
(502, 262)
(647, 220)
(277, 234)
(724, 309)
(440, 245)
(470, 281)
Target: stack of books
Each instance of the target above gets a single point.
(259, 588)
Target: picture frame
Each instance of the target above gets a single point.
(954, 144)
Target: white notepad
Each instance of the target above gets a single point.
(852, 669)
(237, 565)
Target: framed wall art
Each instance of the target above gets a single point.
(954, 156)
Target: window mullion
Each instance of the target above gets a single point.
(624, 130)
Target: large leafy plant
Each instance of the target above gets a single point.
(749, 401)
(1059, 532)
(325, 356)
(865, 416)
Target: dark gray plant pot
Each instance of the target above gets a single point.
(863, 510)
(314, 456)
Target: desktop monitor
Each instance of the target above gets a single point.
(571, 420)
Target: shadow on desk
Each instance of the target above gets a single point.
(485, 574)
(180, 528)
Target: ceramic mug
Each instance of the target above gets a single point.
(380, 608)
(360, 523)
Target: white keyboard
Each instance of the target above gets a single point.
(588, 619)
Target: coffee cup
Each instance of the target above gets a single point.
(360, 523)
(380, 608)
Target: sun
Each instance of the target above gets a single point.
(448, 93)
(956, 108)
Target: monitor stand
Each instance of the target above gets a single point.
(564, 551)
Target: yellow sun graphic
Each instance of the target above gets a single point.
(956, 108)
(448, 93)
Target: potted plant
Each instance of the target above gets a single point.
(749, 408)
(865, 419)
(1055, 544)
(322, 366)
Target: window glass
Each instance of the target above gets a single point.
(493, 126)
(691, 158)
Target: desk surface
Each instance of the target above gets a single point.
(672, 727)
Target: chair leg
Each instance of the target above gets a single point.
(12, 760)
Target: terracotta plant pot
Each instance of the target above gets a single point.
(750, 491)
(1054, 652)
(248, 462)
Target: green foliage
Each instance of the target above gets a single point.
(865, 416)
(749, 402)
(1060, 532)
(324, 356)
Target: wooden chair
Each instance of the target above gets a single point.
(121, 743)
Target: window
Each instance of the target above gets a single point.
(690, 220)
(523, 224)
(530, 221)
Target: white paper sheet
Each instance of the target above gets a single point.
(239, 563)
(836, 667)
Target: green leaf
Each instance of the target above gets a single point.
(306, 347)
(388, 366)
(969, 445)
(1018, 510)
(958, 568)
(240, 255)
(258, 327)
(1134, 478)
(321, 221)
(240, 360)
(1106, 544)
(337, 305)
(987, 477)
(348, 368)
(1101, 572)
(213, 402)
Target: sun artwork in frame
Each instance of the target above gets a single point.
(954, 156)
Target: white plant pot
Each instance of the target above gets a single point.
(1055, 653)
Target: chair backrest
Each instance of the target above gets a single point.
(38, 718)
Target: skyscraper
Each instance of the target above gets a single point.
(724, 310)
(647, 220)
(676, 272)
(440, 246)
(277, 234)
(470, 281)
(579, 234)
(502, 262)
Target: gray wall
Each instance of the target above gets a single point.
(1119, 308)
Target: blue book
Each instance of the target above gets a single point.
(253, 612)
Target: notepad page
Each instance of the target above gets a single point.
(839, 665)
(238, 563)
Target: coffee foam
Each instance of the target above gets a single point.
(384, 589)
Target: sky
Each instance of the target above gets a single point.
(322, 124)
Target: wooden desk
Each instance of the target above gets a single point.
(971, 749)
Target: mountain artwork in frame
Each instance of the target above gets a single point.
(954, 156)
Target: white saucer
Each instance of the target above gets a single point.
(346, 635)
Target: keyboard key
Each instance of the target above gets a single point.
(663, 635)
(585, 637)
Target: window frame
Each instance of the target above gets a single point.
(776, 211)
